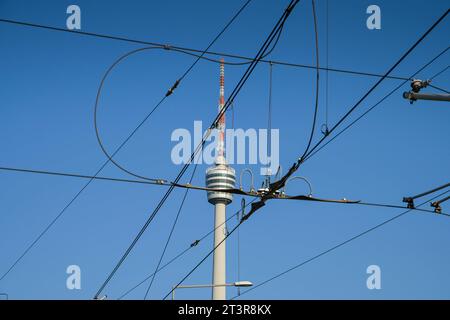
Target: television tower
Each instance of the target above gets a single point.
(220, 176)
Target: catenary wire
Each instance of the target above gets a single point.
(194, 244)
(394, 66)
(171, 90)
(438, 88)
(327, 32)
(122, 58)
(236, 90)
(243, 220)
(439, 73)
(180, 208)
(316, 106)
(301, 159)
(58, 216)
(334, 247)
(375, 105)
(185, 49)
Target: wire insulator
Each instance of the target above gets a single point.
(172, 89)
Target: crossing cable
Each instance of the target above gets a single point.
(437, 204)
(316, 107)
(325, 128)
(34, 242)
(435, 76)
(276, 185)
(83, 176)
(280, 183)
(171, 232)
(237, 214)
(382, 205)
(187, 50)
(238, 244)
(264, 48)
(250, 213)
(438, 88)
(204, 258)
(336, 246)
(182, 253)
(435, 24)
(189, 186)
(410, 200)
(269, 111)
(169, 92)
(376, 104)
(439, 73)
(270, 38)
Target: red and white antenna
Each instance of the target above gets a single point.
(220, 176)
(221, 124)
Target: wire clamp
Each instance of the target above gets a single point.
(437, 207)
(195, 243)
(172, 89)
(325, 130)
(410, 202)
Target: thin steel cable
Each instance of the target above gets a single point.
(269, 116)
(376, 104)
(262, 50)
(33, 243)
(327, 63)
(341, 244)
(187, 50)
(180, 208)
(169, 93)
(394, 66)
(279, 24)
(439, 73)
(438, 88)
(196, 242)
(316, 107)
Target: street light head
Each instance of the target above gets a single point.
(243, 284)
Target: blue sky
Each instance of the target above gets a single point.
(48, 85)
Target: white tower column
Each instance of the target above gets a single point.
(219, 262)
(220, 176)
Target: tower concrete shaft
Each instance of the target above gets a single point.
(220, 176)
(219, 259)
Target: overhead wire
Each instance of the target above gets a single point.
(187, 50)
(179, 255)
(375, 105)
(269, 111)
(243, 220)
(438, 88)
(439, 73)
(180, 208)
(58, 216)
(171, 90)
(327, 36)
(316, 105)
(255, 205)
(83, 176)
(100, 178)
(275, 185)
(238, 87)
(341, 244)
(394, 66)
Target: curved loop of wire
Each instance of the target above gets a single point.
(252, 187)
(304, 179)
